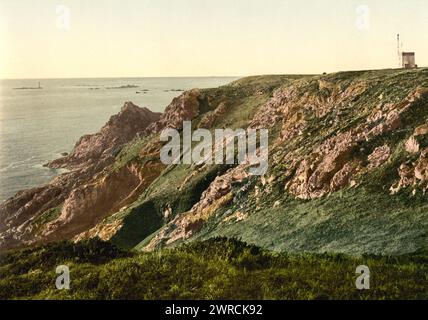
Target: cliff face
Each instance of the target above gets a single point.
(98, 150)
(333, 133)
(347, 171)
(43, 214)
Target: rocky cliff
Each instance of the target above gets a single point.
(347, 171)
(77, 200)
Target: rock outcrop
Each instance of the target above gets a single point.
(95, 186)
(208, 120)
(342, 132)
(86, 193)
(341, 153)
(98, 149)
(331, 166)
(183, 108)
(379, 156)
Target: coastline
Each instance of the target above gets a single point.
(41, 124)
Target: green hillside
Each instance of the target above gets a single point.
(216, 269)
(346, 186)
(364, 218)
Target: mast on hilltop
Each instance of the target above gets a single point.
(398, 51)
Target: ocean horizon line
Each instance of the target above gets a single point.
(131, 77)
(216, 76)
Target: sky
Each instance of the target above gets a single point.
(150, 38)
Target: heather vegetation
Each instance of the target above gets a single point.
(346, 186)
(215, 269)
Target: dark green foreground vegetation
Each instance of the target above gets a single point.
(214, 269)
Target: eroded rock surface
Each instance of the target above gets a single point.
(85, 193)
(98, 149)
(327, 134)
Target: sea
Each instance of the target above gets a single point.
(41, 119)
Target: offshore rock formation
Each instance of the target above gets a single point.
(348, 159)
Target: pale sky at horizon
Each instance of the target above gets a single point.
(142, 38)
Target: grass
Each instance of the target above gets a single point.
(353, 221)
(364, 219)
(145, 215)
(311, 248)
(215, 269)
(48, 216)
(357, 220)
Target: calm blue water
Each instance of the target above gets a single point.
(36, 126)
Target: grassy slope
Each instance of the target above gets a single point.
(144, 217)
(217, 269)
(365, 219)
(354, 221)
(362, 219)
